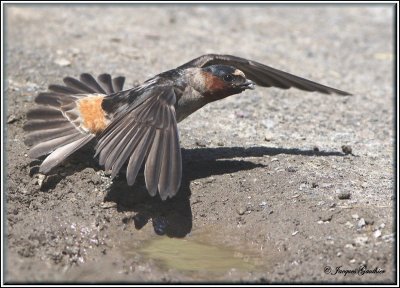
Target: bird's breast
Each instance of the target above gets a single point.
(189, 101)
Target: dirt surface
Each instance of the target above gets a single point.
(265, 176)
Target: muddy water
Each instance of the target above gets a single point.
(197, 256)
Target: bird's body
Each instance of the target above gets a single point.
(139, 125)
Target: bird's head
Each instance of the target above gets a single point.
(221, 81)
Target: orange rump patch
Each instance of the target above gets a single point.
(93, 115)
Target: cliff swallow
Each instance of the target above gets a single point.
(139, 125)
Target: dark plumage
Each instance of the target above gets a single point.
(139, 125)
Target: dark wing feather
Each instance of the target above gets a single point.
(76, 84)
(106, 83)
(261, 74)
(152, 169)
(63, 89)
(89, 80)
(118, 83)
(146, 132)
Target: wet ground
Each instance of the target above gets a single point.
(268, 195)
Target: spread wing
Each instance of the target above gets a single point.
(261, 74)
(146, 132)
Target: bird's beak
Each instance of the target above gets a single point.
(248, 84)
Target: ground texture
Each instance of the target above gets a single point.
(265, 175)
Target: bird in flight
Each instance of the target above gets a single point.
(139, 125)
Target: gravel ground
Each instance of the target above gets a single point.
(268, 176)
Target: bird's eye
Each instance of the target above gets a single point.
(228, 78)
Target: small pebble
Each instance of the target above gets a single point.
(11, 119)
(315, 149)
(75, 51)
(377, 233)
(62, 62)
(355, 216)
(291, 169)
(347, 149)
(302, 186)
(268, 123)
(295, 232)
(348, 224)
(344, 195)
(241, 210)
(220, 143)
(388, 237)
(40, 179)
(209, 180)
(201, 143)
(361, 223)
(31, 86)
(326, 218)
(268, 137)
(107, 205)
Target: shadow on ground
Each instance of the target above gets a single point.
(173, 217)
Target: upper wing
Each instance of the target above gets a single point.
(261, 74)
(146, 130)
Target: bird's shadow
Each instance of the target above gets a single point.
(76, 163)
(173, 217)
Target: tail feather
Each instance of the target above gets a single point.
(39, 136)
(78, 85)
(53, 126)
(63, 89)
(49, 146)
(44, 113)
(60, 154)
(50, 98)
(118, 83)
(91, 82)
(35, 125)
(106, 83)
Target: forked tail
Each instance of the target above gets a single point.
(68, 117)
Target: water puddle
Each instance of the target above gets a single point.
(193, 255)
(186, 255)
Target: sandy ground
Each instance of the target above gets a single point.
(265, 183)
